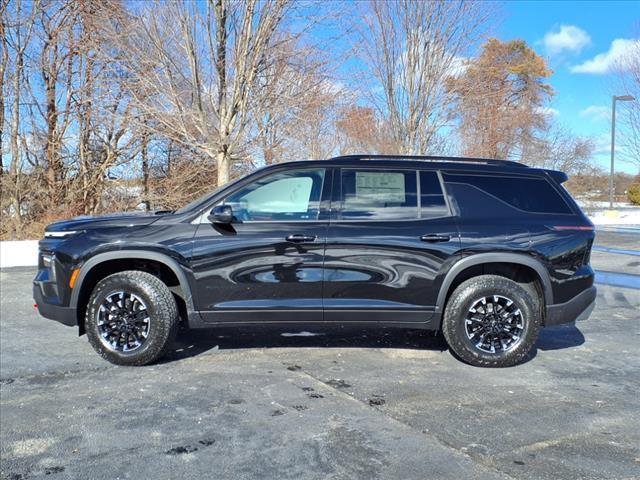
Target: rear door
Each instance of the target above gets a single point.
(390, 239)
(492, 209)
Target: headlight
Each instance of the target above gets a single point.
(63, 234)
(47, 260)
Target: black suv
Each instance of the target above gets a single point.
(487, 251)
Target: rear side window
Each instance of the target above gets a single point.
(379, 194)
(432, 202)
(535, 195)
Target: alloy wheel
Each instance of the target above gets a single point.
(494, 324)
(123, 322)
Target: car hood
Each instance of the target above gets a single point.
(125, 219)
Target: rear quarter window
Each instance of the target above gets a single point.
(533, 195)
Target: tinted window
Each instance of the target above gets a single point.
(534, 195)
(292, 195)
(475, 203)
(379, 194)
(432, 202)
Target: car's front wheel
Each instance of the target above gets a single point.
(491, 321)
(131, 318)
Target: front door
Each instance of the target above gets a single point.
(388, 246)
(267, 264)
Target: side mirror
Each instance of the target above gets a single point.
(221, 214)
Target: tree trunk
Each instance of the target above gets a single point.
(223, 160)
(14, 168)
(4, 62)
(169, 152)
(145, 174)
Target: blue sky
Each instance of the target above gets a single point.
(571, 36)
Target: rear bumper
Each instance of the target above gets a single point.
(49, 309)
(576, 309)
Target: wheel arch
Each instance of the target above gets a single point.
(85, 281)
(481, 259)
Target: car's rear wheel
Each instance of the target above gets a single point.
(131, 318)
(491, 321)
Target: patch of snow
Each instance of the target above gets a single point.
(603, 204)
(18, 253)
(629, 216)
(598, 211)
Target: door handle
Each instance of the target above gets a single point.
(435, 238)
(299, 238)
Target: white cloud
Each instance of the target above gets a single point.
(549, 111)
(602, 144)
(596, 112)
(605, 62)
(457, 66)
(568, 37)
(334, 86)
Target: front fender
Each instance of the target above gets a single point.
(133, 255)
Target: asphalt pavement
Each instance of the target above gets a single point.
(339, 404)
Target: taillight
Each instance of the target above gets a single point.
(581, 228)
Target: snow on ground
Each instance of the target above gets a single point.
(622, 214)
(18, 253)
(588, 205)
(616, 217)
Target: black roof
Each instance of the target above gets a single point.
(459, 162)
(412, 161)
(432, 158)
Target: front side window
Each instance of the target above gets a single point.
(379, 194)
(293, 195)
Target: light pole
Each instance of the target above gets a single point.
(621, 98)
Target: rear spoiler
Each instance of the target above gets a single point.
(558, 176)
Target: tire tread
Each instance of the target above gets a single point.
(455, 308)
(165, 316)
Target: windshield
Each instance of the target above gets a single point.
(198, 202)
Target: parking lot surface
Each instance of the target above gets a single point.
(364, 404)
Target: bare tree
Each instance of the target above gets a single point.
(627, 82)
(315, 137)
(94, 92)
(57, 58)
(4, 65)
(410, 48)
(559, 149)
(362, 131)
(17, 38)
(294, 96)
(178, 175)
(195, 70)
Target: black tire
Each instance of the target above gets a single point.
(466, 296)
(161, 309)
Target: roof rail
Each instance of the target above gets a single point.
(431, 158)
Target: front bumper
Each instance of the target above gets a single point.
(49, 307)
(576, 309)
